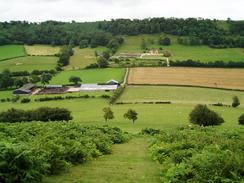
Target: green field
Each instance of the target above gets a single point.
(90, 76)
(186, 95)
(83, 58)
(42, 50)
(11, 51)
(29, 63)
(132, 44)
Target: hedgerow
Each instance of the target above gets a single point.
(29, 151)
(200, 155)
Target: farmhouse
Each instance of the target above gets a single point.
(25, 90)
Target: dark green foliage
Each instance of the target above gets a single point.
(25, 100)
(143, 44)
(108, 114)
(195, 154)
(63, 98)
(150, 131)
(117, 94)
(28, 151)
(75, 79)
(41, 114)
(131, 115)
(216, 64)
(102, 62)
(65, 55)
(241, 120)
(6, 79)
(203, 116)
(235, 102)
(165, 41)
(45, 78)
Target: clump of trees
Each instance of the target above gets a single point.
(165, 41)
(235, 102)
(203, 116)
(64, 56)
(41, 114)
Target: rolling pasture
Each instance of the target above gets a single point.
(29, 63)
(11, 51)
(90, 76)
(83, 58)
(204, 77)
(132, 44)
(42, 50)
(181, 95)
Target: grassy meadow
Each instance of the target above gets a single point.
(11, 51)
(132, 44)
(83, 58)
(180, 95)
(90, 75)
(29, 63)
(42, 50)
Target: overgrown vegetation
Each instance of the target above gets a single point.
(195, 154)
(28, 151)
(41, 114)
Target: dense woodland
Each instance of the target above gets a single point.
(204, 31)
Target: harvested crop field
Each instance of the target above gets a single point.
(184, 76)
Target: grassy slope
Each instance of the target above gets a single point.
(90, 76)
(83, 57)
(129, 162)
(29, 63)
(181, 52)
(11, 51)
(42, 50)
(189, 95)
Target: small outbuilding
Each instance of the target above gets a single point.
(25, 89)
(112, 82)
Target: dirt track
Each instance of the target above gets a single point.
(205, 77)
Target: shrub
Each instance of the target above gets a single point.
(62, 144)
(201, 115)
(117, 94)
(41, 114)
(150, 131)
(241, 119)
(25, 100)
(235, 102)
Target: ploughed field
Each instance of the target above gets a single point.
(183, 76)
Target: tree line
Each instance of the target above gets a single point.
(201, 31)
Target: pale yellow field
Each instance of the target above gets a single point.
(204, 77)
(42, 50)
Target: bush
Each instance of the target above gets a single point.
(236, 102)
(150, 131)
(241, 120)
(203, 116)
(25, 100)
(117, 94)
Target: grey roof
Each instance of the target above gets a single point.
(112, 81)
(53, 86)
(96, 87)
(28, 86)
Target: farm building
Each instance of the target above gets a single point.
(129, 55)
(25, 90)
(96, 87)
(112, 82)
(53, 89)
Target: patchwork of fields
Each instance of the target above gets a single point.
(182, 52)
(204, 77)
